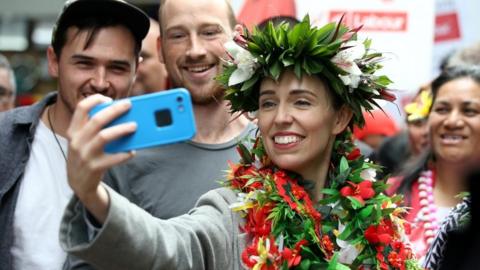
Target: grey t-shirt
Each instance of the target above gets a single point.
(167, 181)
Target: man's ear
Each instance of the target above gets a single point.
(52, 60)
(343, 117)
(159, 50)
(238, 29)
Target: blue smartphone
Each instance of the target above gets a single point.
(162, 118)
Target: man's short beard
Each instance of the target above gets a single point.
(215, 97)
(67, 103)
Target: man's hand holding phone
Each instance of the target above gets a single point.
(103, 133)
(87, 162)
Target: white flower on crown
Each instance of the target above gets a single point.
(246, 63)
(345, 59)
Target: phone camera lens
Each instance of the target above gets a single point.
(179, 99)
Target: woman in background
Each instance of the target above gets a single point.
(398, 151)
(433, 187)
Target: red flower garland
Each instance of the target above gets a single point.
(286, 228)
(297, 193)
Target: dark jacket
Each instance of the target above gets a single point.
(17, 130)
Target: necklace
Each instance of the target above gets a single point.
(54, 134)
(287, 229)
(427, 212)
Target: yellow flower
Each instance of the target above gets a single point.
(419, 109)
(244, 201)
(262, 250)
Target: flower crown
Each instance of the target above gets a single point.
(418, 110)
(332, 51)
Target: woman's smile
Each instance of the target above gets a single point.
(452, 139)
(287, 140)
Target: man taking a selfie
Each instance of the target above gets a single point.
(95, 50)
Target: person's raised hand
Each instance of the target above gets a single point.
(87, 161)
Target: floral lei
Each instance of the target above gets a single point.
(354, 226)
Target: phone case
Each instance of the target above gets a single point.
(162, 118)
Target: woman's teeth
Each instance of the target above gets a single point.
(286, 139)
(198, 69)
(452, 138)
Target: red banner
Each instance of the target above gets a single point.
(382, 21)
(447, 27)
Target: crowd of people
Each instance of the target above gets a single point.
(293, 164)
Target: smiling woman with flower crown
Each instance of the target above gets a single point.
(302, 198)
